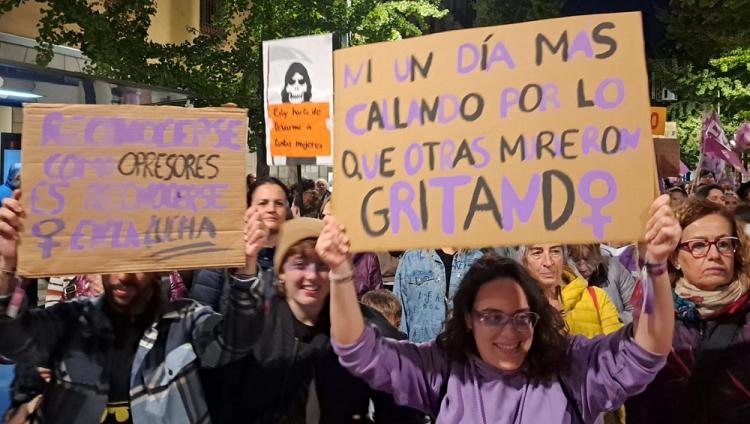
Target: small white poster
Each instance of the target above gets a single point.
(298, 100)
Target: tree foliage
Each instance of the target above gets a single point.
(499, 12)
(221, 66)
(707, 65)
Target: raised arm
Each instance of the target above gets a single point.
(347, 322)
(655, 326)
(25, 336)
(223, 339)
(413, 374)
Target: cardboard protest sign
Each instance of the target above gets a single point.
(658, 120)
(667, 156)
(298, 78)
(525, 133)
(131, 188)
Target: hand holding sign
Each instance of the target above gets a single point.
(333, 247)
(663, 231)
(255, 231)
(11, 224)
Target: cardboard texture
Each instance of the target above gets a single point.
(131, 188)
(667, 156)
(517, 134)
(658, 120)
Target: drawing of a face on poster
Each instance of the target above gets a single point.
(297, 85)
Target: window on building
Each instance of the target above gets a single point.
(209, 9)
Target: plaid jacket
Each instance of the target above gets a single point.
(73, 339)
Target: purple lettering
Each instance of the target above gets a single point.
(413, 168)
(581, 44)
(46, 234)
(500, 54)
(629, 140)
(476, 147)
(508, 99)
(597, 220)
(52, 191)
(399, 206)
(397, 70)
(227, 134)
(449, 184)
(51, 129)
(443, 118)
(523, 206)
(602, 102)
(351, 115)
(79, 234)
(371, 173)
(467, 48)
(89, 132)
(348, 77)
(591, 140)
(447, 152)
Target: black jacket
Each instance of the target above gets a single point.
(272, 384)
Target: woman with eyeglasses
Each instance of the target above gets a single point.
(707, 376)
(504, 356)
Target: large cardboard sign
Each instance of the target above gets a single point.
(525, 133)
(298, 96)
(131, 188)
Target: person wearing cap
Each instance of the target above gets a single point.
(292, 374)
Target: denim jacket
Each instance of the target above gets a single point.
(420, 286)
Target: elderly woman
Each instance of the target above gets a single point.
(504, 356)
(587, 310)
(607, 273)
(707, 376)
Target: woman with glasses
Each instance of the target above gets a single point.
(292, 374)
(504, 356)
(707, 376)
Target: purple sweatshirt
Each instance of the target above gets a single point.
(604, 372)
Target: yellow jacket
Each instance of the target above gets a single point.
(580, 310)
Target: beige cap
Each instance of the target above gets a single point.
(293, 231)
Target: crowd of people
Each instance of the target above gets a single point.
(308, 332)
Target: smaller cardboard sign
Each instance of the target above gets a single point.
(658, 120)
(299, 130)
(667, 156)
(130, 188)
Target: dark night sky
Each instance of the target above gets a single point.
(653, 29)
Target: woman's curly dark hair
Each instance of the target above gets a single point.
(549, 348)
